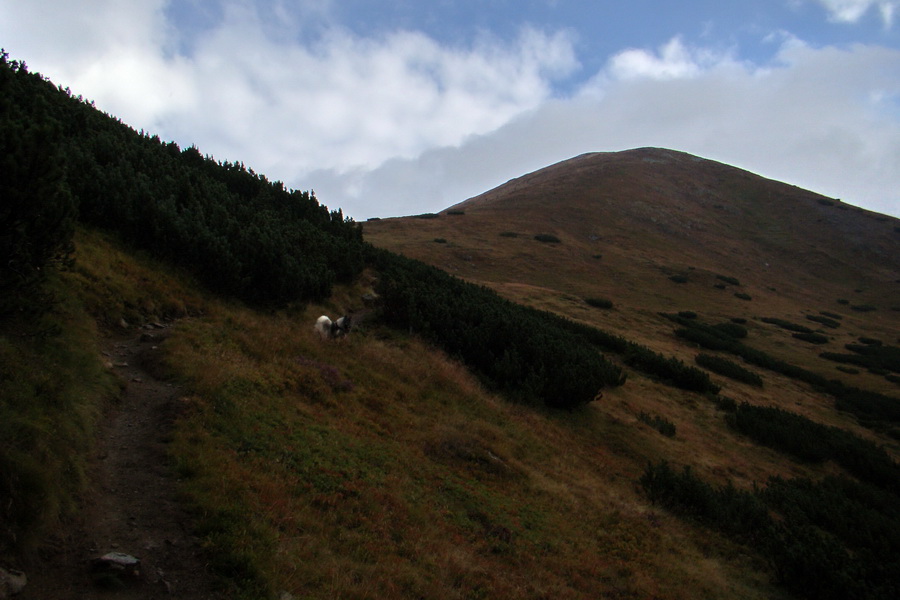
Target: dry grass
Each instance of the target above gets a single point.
(377, 467)
(624, 230)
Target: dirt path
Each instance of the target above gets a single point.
(133, 507)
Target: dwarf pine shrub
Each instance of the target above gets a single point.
(515, 349)
(726, 404)
(812, 338)
(547, 238)
(664, 426)
(732, 329)
(809, 441)
(786, 325)
(669, 369)
(727, 368)
(863, 308)
(823, 320)
(820, 545)
(599, 302)
(728, 280)
(871, 356)
(866, 405)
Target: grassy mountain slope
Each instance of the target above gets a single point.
(57, 387)
(628, 222)
(658, 210)
(379, 466)
(615, 240)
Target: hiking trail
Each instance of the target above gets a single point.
(132, 504)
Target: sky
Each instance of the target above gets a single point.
(398, 107)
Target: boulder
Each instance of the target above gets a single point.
(113, 569)
(12, 582)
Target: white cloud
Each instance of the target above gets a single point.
(851, 11)
(398, 123)
(824, 119)
(80, 32)
(249, 90)
(674, 60)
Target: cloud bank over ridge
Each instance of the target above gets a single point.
(396, 121)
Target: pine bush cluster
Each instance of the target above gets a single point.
(730, 369)
(518, 350)
(238, 232)
(834, 539)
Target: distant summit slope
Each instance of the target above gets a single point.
(671, 195)
(629, 217)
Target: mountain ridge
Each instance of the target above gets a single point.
(674, 210)
(652, 231)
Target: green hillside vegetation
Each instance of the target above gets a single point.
(606, 208)
(54, 390)
(55, 384)
(424, 455)
(257, 241)
(728, 368)
(832, 539)
(875, 357)
(236, 231)
(870, 407)
(239, 235)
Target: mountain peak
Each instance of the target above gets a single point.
(655, 210)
